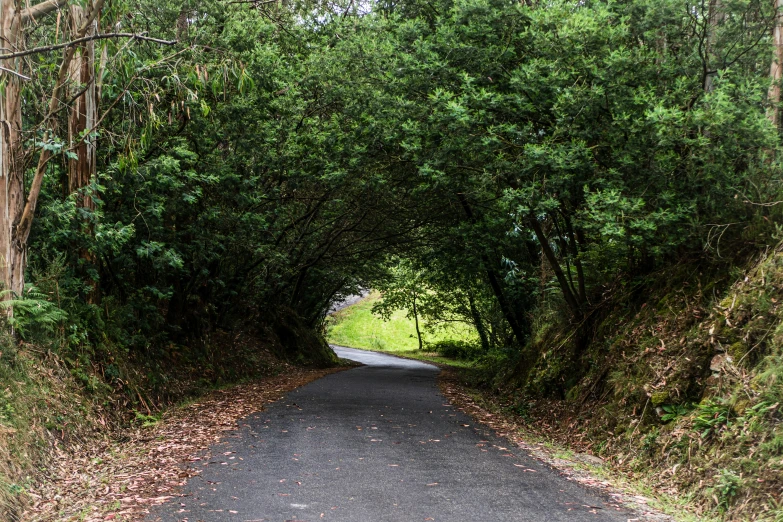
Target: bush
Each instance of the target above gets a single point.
(459, 350)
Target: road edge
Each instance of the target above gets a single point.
(146, 466)
(580, 468)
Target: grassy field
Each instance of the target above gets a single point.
(357, 327)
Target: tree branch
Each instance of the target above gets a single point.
(41, 9)
(78, 41)
(9, 71)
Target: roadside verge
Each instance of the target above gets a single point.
(585, 469)
(137, 468)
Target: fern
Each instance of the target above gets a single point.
(32, 310)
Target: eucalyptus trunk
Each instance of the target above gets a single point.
(776, 69)
(12, 251)
(82, 121)
(17, 208)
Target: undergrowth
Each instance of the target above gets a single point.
(41, 406)
(51, 399)
(681, 388)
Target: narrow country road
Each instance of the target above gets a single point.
(371, 444)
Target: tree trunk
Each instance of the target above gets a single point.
(565, 249)
(16, 210)
(497, 289)
(478, 323)
(776, 69)
(82, 118)
(571, 301)
(575, 250)
(416, 320)
(83, 114)
(714, 16)
(12, 252)
(24, 225)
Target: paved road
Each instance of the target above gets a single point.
(348, 301)
(373, 444)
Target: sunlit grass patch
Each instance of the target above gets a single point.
(357, 327)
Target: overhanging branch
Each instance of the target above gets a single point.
(41, 9)
(104, 36)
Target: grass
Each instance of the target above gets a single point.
(357, 327)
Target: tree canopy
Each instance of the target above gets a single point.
(190, 166)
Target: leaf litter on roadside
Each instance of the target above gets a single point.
(121, 477)
(504, 427)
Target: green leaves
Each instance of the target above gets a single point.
(32, 311)
(282, 157)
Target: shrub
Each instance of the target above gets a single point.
(459, 350)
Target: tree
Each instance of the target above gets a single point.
(75, 76)
(776, 68)
(404, 290)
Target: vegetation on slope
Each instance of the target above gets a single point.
(678, 386)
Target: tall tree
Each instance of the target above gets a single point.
(776, 69)
(82, 122)
(17, 208)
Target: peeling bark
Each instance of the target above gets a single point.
(12, 252)
(83, 118)
(776, 69)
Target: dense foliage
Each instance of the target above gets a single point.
(502, 164)
(177, 169)
(518, 157)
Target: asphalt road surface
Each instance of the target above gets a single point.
(348, 301)
(371, 444)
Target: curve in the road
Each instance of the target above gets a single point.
(376, 443)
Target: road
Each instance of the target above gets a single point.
(373, 444)
(348, 301)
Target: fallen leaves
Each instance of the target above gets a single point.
(506, 428)
(105, 479)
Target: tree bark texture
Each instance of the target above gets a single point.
(83, 113)
(83, 118)
(776, 69)
(12, 251)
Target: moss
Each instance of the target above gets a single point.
(664, 306)
(763, 303)
(727, 301)
(659, 397)
(740, 406)
(773, 447)
(737, 350)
